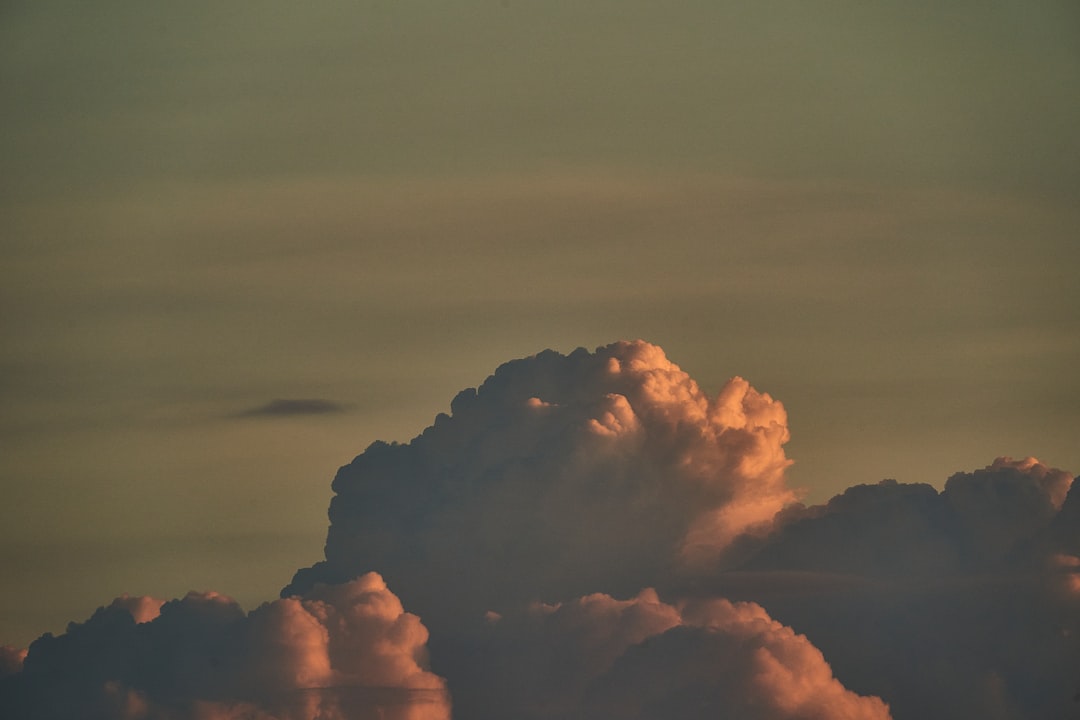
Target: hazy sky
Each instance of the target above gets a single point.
(868, 210)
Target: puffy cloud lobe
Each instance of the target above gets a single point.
(641, 658)
(982, 520)
(957, 603)
(142, 608)
(347, 651)
(728, 660)
(559, 476)
(974, 645)
(538, 662)
(1009, 502)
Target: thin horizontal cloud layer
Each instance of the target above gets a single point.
(346, 651)
(285, 407)
(559, 476)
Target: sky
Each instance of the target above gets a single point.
(241, 243)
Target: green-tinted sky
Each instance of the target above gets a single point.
(869, 210)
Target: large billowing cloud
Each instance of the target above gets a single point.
(559, 476)
(342, 652)
(564, 482)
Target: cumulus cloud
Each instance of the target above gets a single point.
(564, 482)
(559, 476)
(562, 476)
(959, 603)
(142, 608)
(346, 651)
(983, 520)
(598, 657)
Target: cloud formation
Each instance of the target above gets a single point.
(598, 657)
(285, 407)
(344, 651)
(561, 475)
(959, 603)
(564, 476)
(982, 520)
(564, 482)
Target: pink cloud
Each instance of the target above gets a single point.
(641, 658)
(958, 603)
(141, 607)
(347, 651)
(559, 476)
(564, 482)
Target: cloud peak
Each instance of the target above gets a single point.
(558, 476)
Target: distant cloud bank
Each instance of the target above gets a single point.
(592, 536)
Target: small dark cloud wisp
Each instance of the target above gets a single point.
(289, 407)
